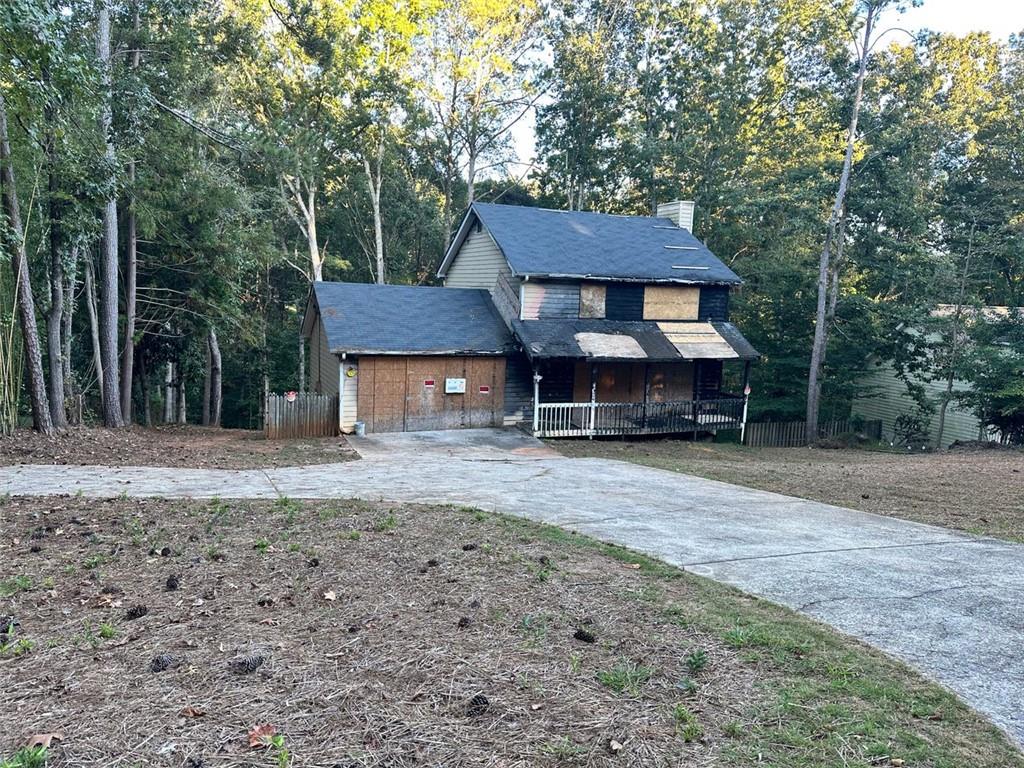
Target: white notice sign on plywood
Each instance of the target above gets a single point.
(455, 386)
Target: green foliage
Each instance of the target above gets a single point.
(625, 677)
(27, 757)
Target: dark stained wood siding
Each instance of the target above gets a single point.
(393, 396)
(556, 384)
(624, 301)
(709, 378)
(714, 303)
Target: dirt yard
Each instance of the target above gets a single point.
(159, 633)
(171, 447)
(979, 491)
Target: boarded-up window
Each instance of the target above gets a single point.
(592, 297)
(671, 302)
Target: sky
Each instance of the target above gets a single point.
(1000, 18)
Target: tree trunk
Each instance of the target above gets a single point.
(94, 329)
(112, 416)
(824, 263)
(471, 175)
(131, 265)
(954, 341)
(207, 384)
(147, 393)
(69, 313)
(216, 390)
(169, 393)
(303, 194)
(375, 180)
(55, 317)
(26, 303)
(179, 394)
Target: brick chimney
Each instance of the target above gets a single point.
(679, 211)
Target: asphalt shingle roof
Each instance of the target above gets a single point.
(544, 242)
(561, 338)
(410, 319)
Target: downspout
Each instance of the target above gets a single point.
(746, 402)
(341, 394)
(536, 402)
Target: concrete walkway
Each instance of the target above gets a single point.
(948, 604)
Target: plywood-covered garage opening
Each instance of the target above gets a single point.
(408, 393)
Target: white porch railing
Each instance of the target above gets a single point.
(596, 419)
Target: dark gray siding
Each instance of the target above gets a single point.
(518, 389)
(556, 386)
(714, 303)
(624, 301)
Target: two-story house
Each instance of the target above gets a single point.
(571, 323)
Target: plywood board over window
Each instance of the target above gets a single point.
(592, 300)
(671, 302)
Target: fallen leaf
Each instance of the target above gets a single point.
(43, 740)
(632, 567)
(260, 735)
(329, 595)
(896, 762)
(614, 746)
(535, 707)
(191, 712)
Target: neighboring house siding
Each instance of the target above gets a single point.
(892, 401)
(714, 303)
(477, 264)
(323, 366)
(550, 301)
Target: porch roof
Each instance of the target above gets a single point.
(632, 340)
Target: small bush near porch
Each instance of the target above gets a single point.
(231, 633)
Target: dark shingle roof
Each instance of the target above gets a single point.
(645, 340)
(414, 320)
(544, 242)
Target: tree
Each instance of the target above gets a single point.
(14, 242)
(477, 85)
(108, 272)
(828, 272)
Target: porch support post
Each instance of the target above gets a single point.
(746, 401)
(536, 402)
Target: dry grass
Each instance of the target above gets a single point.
(979, 491)
(453, 639)
(171, 446)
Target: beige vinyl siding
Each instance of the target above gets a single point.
(547, 300)
(349, 403)
(323, 366)
(477, 263)
(892, 401)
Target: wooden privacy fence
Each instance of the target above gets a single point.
(791, 434)
(300, 415)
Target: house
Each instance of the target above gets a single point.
(886, 396)
(599, 324)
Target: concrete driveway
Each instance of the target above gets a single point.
(948, 604)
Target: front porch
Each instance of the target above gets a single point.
(585, 399)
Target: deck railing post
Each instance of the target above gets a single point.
(536, 403)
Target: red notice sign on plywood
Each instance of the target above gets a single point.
(428, 382)
(485, 390)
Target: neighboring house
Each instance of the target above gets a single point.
(600, 324)
(888, 399)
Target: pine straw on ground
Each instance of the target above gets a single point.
(171, 446)
(975, 490)
(452, 639)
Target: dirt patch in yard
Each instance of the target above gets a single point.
(171, 446)
(979, 491)
(151, 632)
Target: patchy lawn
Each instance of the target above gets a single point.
(171, 446)
(152, 632)
(979, 491)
